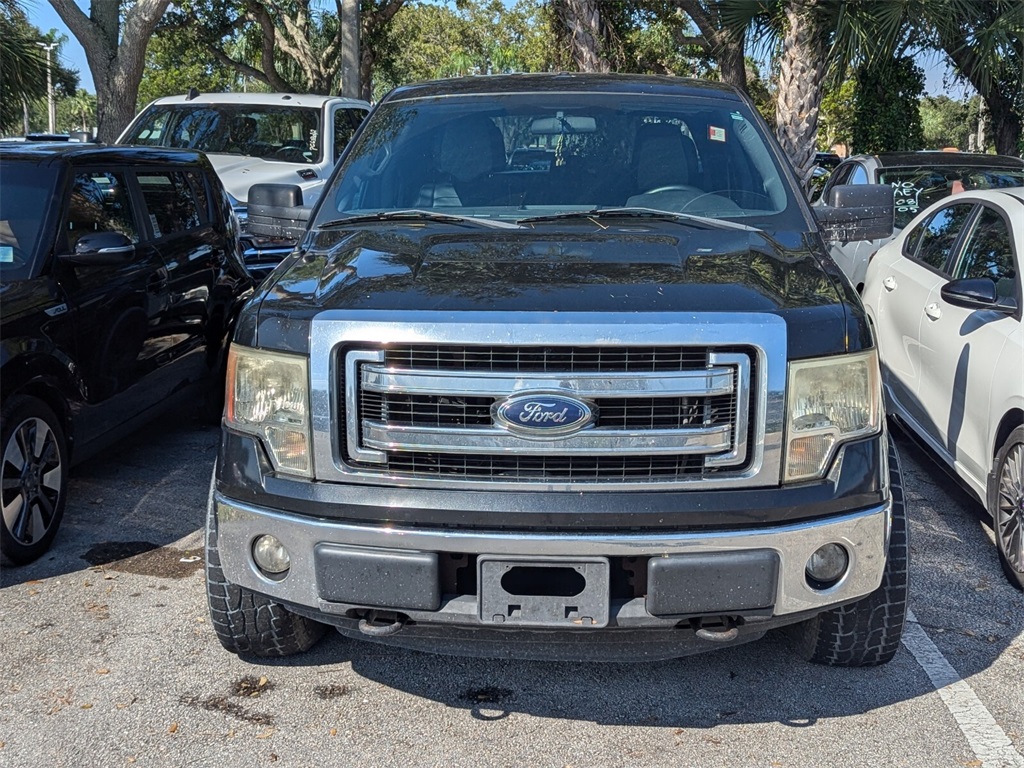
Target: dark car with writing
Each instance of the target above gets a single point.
(918, 179)
(120, 283)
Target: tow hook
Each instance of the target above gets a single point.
(375, 625)
(717, 630)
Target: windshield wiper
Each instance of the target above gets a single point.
(412, 214)
(639, 213)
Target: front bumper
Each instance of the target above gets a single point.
(389, 549)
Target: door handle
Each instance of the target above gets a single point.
(933, 311)
(889, 283)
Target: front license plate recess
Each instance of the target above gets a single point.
(544, 592)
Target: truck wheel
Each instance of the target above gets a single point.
(35, 478)
(1006, 505)
(247, 622)
(867, 633)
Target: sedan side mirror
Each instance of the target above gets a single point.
(101, 248)
(856, 212)
(976, 293)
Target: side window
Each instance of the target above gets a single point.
(989, 253)
(99, 202)
(170, 202)
(345, 123)
(860, 176)
(199, 189)
(939, 234)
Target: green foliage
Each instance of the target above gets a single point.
(177, 61)
(77, 112)
(836, 118)
(886, 113)
(23, 77)
(945, 122)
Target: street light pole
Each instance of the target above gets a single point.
(50, 106)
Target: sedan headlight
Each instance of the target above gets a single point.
(831, 400)
(268, 396)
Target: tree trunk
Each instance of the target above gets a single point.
(115, 61)
(801, 77)
(581, 20)
(351, 64)
(731, 64)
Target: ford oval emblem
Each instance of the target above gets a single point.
(543, 414)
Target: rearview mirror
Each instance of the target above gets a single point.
(563, 124)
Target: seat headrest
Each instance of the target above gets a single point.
(659, 156)
(471, 147)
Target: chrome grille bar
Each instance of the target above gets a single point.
(593, 442)
(470, 383)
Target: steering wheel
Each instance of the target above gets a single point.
(673, 188)
(291, 154)
(724, 194)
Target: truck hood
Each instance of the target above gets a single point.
(554, 268)
(237, 173)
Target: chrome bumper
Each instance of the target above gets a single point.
(864, 534)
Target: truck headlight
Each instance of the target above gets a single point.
(831, 400)
(268, 396)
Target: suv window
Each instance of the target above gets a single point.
(99, 202)
(285, 133)
(345, 123)
(989, 253)
(27, 191)
(938, 234)
(170, 202)
(545, 153)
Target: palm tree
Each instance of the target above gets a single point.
(24, 65)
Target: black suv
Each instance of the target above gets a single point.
(120, 280)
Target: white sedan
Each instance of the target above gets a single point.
(945, 298)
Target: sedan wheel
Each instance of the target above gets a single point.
(34, 479)
(1008, 507)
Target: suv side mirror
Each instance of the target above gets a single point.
(276, 210)
(856, 212)
(976, 293)
(101, 248)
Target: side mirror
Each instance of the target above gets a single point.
(276, 210)
(856, 212)
(101, 248)
(976, 293)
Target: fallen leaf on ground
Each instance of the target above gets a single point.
(173, 728)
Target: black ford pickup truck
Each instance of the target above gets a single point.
(561, 369)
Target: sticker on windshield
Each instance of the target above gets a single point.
(6, 254)
(715, 133)
(156, 227)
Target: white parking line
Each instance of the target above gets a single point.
(988, 741)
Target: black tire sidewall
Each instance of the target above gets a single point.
(1016, 437)
(15, 412)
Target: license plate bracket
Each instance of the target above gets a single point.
(544, 591)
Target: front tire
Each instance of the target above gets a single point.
(867, 632)
(245, 621)
(35, 478)
(1006, 505)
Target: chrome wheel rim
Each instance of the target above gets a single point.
(1010, 508)
(32, 475)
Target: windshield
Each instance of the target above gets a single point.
(915, 188)
(519, 155)
(288, 134)
(26, 191)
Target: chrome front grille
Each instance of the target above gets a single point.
(629, 352)
(662, 414)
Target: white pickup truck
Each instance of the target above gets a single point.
(254, 138)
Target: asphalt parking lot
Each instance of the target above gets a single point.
(108, 659)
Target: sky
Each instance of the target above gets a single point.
(42, 15)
